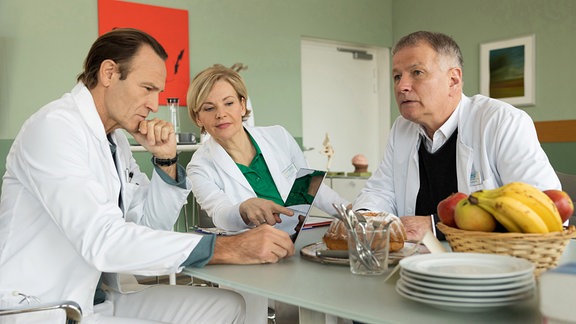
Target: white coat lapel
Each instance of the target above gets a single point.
(222, 159)
(123, 169)
(412, 170)
(464, 165)
(270, 151)
(467, 172)
(87, 109)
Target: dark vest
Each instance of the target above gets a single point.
(437, 175)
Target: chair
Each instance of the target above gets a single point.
(71, 309)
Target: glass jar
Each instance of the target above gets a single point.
(174, 115)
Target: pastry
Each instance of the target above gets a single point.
(336, 237)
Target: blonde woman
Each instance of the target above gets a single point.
(241, 175)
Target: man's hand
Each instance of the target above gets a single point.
(257, 211)
(416, 226)
(263, 244)
(157, 136)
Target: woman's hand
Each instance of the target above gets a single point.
(258, 211)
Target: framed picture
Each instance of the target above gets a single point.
(507, 70)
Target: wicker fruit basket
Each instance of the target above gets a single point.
(544, 250)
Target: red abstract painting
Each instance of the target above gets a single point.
(169, 26)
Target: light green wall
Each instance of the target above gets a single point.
(43, 44)
(474, 22)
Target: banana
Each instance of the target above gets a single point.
(513, 214)
(534, 198)
(486, 204)
(539, 202)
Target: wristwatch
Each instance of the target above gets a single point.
(164, 162)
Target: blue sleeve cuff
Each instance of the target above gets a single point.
(202, 253)
(180, 176)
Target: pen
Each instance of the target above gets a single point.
(129, 175)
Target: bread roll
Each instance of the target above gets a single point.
(336, 237)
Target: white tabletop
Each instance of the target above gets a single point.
(333, 289)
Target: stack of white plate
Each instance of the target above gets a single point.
(466, 281)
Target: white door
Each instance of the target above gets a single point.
(345, 94)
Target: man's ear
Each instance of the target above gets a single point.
(107, 69)
(455, 75)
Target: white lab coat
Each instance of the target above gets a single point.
(497, 144)
(220, 187)
(60, 224)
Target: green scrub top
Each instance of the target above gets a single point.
(259, 177)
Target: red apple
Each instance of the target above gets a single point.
(447, 207)
(563, 203)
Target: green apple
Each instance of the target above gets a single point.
(473, 218)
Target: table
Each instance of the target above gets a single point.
(320, 289)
